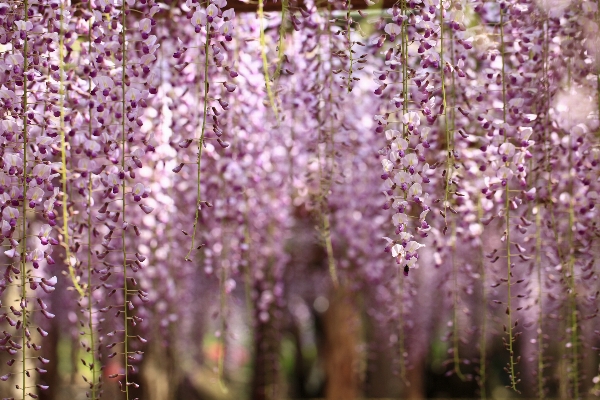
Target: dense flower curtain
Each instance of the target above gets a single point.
(171, 170)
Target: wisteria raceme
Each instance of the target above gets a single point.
(217, 198)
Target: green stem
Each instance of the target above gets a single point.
(90, 298)
(350, 44)
(401, 333)
(89, 288)
(405, 40)
(444, 105)
(247, 271)
(63, 170)
(263, 54)
(201, 143)
(222, 339)
(123, 188)
(281, 44)
(596, 388)
(23, 264)
(329, 248)
(538, 221)
(540, 322)
(404, 58)
(484, 302)
(223, 308)
(456, 300)
(449, 129)
(325, 176)
(572, 287)
(511, 339)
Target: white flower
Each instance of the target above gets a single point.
(113, 179)
(5, 227)
(10, 213)
(24, 26)
(393, 29)
(390, 134)
(145, 25)
(504, 173)
(402, 177)
(52, 281)
(399, 144)
(229, 14)
(387, 165)
(13, 160)
(226, 28)
(412, 263)
(229, 285)
(45, 231)
(199, 18)
(42, 171)
(519, 158)
(404, 236)
(388, 184)
(410, 160)
(411, 119)
(399, 202)
(413, 246)
(400, 218)
(526, 133)
(150, 42)
(531, 193)
(153, 79)
(507, 149)
(212, 10)
(14, 59)
(138, 152)
(475, 229)
(415, 190)
(516, 102)
(86, 164)
(382, 119)
(146, 59)
(36, 255)
(397, 250)
(132, 95)
(6, 94)
(138, 189)
(11, 253)
(36, 194)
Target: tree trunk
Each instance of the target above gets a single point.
(341, 331)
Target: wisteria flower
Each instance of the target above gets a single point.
(199, 19)
(411, 119)
(393, 30)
